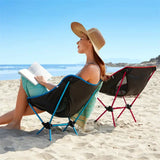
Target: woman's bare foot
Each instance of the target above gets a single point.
(12, 125)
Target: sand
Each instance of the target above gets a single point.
(100, 141)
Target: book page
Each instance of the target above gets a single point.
(27, 74)
(38, 70)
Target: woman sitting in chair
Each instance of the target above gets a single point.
(91, 41)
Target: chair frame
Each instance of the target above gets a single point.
(71, 123)
(127, 106)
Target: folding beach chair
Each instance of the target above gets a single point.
(72, 96)
(129, 81)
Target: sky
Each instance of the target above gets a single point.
(39, 30)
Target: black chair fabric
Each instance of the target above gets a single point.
(134, 81)
(76, 95)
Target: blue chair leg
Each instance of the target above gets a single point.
(66, 127)
(75, 131)
(71, 123)
(40, 130)
(50, 134)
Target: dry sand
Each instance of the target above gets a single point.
(100, 141)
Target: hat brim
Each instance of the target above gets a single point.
(80, 30)
(96, 51)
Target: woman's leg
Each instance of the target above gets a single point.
(13, 118)
(6, 118)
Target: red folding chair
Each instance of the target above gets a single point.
(129, 81)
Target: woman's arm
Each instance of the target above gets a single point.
(44, 83)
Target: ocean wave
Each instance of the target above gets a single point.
(8, 72)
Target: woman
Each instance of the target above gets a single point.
(91, 41)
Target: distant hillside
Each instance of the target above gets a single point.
(151, 62)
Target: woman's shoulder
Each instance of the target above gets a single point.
(90, 73)
(92, 67)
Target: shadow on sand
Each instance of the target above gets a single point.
(20, 140)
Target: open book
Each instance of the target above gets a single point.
(35, 70)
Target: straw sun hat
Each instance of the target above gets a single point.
(93, 34)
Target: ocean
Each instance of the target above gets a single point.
(10, 71)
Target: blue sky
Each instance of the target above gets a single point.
(39, 30)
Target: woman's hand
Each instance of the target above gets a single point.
(41, 80)
(44, 83)
(107, 77)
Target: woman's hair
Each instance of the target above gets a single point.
(101, 65)
(99, 62)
